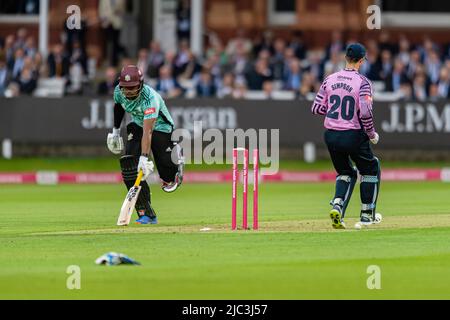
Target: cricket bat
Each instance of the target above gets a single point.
(130, 201)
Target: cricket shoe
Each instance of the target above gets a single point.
(336, 217)
(173, 186)
(366, 218)
(147, 220)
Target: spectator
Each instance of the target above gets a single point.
(17, 65)
(307, 86)
(420, 87)
(268, 89)
(58, 63)
(298, 45)
(406, 93)
(183, 14)
(414, 63)
(289, 56)
(30, 47)
(111, 14)
(21, 38)
(384, 43)
(427, 48)
(155, 59)
(142, 63)
(167, 85)
(262, 42)
(217, 48)
(240, 43)
(396, 78)
(227, 86)
(240, 89)
(447, 63)
(40, 66)
(107, 87)
(404, 49)
(5, 75)
(335, 64)
(258, 74)
(294, 77)
(192, 67)
(422, 71)
(277, 60)
(205, 87)
(27, 81)
(371, 68)
(433, 66)
(9, 49)
(169, 59)
(386, 64)
(443, 85)
(78, 56)
(337, 45)
(314, 66)
(182, 58)
(434, 93)
(240, 62)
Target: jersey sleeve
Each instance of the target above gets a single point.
(117, 96)
(366, 107)
(320, 102)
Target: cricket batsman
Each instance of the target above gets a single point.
(345, 99)
(149, 133)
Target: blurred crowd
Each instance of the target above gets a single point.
(265, 64)
(21, 64)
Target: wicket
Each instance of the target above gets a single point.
(245, 188)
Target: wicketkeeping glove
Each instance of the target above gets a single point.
(146, 166)
(115, 142)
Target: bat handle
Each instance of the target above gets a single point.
(139, 178)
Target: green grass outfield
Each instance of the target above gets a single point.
(295, 255)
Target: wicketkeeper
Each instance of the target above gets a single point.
(149, 132)
(345, 99)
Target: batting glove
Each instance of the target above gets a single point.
(115, 142)
(146, 166)
(375, 138)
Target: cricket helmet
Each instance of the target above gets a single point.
(131, 81)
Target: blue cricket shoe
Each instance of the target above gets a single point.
(147, 220)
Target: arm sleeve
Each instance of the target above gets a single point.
(119, 113)
(320, 102)
(366, 107)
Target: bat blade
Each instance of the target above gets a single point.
(128, 206)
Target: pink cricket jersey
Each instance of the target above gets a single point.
(345, 98)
